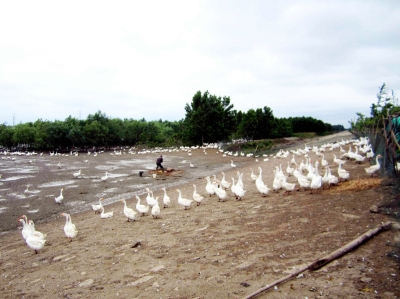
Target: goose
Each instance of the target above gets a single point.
(224, 182)
(69, 228)
(27, 189)
(60, 198)
(293, 161)
(35, 243)
(261, 187)
(26, 230)
(359, 158)
(370, 154)
(342, 173)
(221, 193)
(105, 215)
(316, 182)
(150, 198)
(333, 180)
(325, 178)
(289, 169)
(166, 199)
(155, 210)
(338, 161)
(183, 201)
(59, 164)
(210, 188)
(141, 208)
(287, 186)
(34, 232)
(233, 165)
(97, 208)
(129, 213)
(324, 163)
(240, 180)
(237, 190)
(252, 175)
(277, 183)
(77, 174)
(197, 197)
(303, 182)
(374, 168)
(215, 181)
(105, 177)
(191, 164)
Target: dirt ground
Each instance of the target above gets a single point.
(215, 250)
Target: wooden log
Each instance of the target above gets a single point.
(327, 259)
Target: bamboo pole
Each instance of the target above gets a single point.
(327, 259)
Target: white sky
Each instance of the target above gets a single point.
(135, 59)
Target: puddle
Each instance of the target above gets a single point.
(14, 178)
(55, 184)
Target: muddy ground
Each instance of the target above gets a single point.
(215, 250)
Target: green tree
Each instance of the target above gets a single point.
(6, 136)
(208, 119)
(24, 135)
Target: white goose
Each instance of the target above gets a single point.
(69, 228)
(237, 190)
(166, 199)
(129, 213)
(105, 177)
(142, 209)
(342, 173)
(77, 174)
(221, 193)
(374, 168)
(210, 188)
(261, 187)
(155, 210)
(277, 182)
(316, 182)
(150, 198)
(303, 182)
(289, 170)
(289, 187)
(34, 232)
(333, 180)
(324, 163)
(60, 198)
(197, 197)
(105, 215)
(338, 161)
(252, 175)
(26, 230)
(183, 201)
(35, 243)
(224, 182)
(240, 179)
(233, 165)
(97, 208)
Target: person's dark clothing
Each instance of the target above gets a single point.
(158, 162)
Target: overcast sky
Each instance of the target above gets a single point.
(146, 59)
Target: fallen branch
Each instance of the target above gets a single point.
(327, 259)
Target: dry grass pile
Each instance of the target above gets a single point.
(355, 185)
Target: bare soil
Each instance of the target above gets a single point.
(215, 250)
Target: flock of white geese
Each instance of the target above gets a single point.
(304, 175)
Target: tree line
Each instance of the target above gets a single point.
(208, 119)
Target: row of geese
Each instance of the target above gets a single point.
(312, 181)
